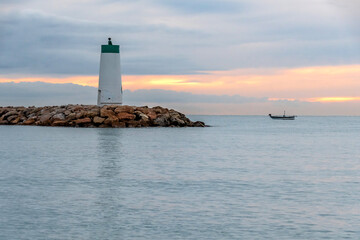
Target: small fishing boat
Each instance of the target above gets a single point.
(283, 117)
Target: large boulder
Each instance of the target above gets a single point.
(93, 112)
(67, 112)
(141, 116)
(15, 121)
(98, 120)
(160, 110)
(30, 121)
(152, 115)
(12, 118)
(59, 116)
(10, 113)
(127, 109)
(162, 120)
(123, 116)
(104, 112)
(77, 108)
(71, 116)
(79, 114)
(82, 121)
(45, 119)
(198, 124)
(144, 109)
(177, 119)
(44, 111)
(111, 121)
(3, 111)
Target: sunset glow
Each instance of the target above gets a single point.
(171, 81)
(80, 80)
(282, 99)
(312, 84)
(334, 99)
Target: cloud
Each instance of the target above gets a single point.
(350, 8)
(41, 94)
(200, 6)
(36, 43)
(294, 83)
(168, 96)
(172, 37)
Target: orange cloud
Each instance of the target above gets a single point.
(311, 84)
(333, 99)
(298, 83)
(319, 99)
(80, 80)
(282, 99)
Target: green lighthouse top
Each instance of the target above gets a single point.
(110, 48)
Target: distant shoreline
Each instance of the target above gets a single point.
(93, 116)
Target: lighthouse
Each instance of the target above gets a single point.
(110, 87)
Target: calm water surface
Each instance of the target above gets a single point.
(243, 178)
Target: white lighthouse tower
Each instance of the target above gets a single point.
(110, 88)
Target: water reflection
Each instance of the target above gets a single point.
(109, 202)
(109, 151)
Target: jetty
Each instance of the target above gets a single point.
(93, 116)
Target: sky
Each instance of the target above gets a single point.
(200, 57)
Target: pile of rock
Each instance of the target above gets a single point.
(95, 116)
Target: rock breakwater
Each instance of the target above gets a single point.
(108, 116)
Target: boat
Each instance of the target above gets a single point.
(283, 117)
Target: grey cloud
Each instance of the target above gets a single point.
(226, 35)
(43, 44)
(350, 7)
(189, 6)
(11, 3)
(40, 93)
(201, 6)
(350, 11)
(168, 96)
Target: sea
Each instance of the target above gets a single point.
(245, 177)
